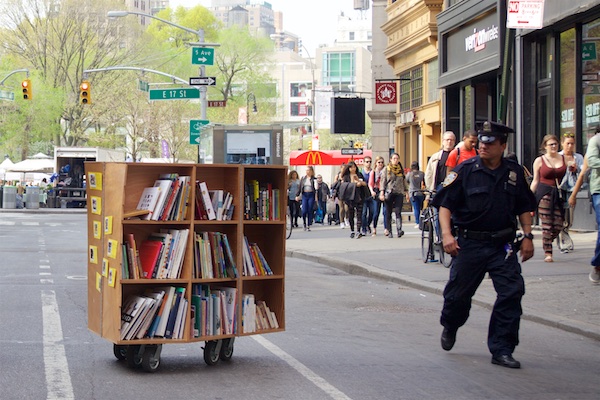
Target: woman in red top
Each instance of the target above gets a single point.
(548, 171)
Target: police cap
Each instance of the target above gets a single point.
(490, 131)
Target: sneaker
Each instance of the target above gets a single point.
(417, 226)
(400, 233)
(304, 227)
(342, 225)
(352, 235)
(595, 275)
(308, 228)
(358, 236)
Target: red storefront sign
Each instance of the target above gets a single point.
(385, 92)
(324, 157)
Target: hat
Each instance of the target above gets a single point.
(490, 131)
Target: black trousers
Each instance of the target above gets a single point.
(474, 259)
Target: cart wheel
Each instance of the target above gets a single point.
(211, 352)
(120, 351)
(134, 358)
(226, 349)
(151, 358)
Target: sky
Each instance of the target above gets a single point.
(314, 21)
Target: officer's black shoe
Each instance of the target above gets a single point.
(448, 339)
(506, 360)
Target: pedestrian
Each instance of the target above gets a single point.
(392, 192)
(592, 162)
(481, 200)
(353, 189)
(416, 182)
(548, 171)
(369, 201)
(293, 204)
(435, 172)
(322, 196)
(374, 184)
(341, 206)
(465, 150)
(574, 164)
(307, 194)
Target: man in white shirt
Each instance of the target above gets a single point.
(435, 173)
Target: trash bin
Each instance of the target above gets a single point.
(32, 197)
(9, 197)
(1, 191)
(51, 200)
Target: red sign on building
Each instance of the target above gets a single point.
(385, 92)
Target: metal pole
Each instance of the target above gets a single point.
(203, 100)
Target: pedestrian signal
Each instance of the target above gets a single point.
(85, 93)
(27, 93)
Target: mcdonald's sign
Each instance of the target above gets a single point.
(314, 158)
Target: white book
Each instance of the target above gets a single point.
(179, 253)
(226, 205)
(158, 296)
(165, 187)
(248, 263)
(206, 201)
(179, 318)
(162, 324)
(133, 329)
(132, 308)
(229, 300)
(148, 200)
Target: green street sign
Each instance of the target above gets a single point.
(174, 94)
(588, 52)
(7, 95)
(196, 126)
(203, 56)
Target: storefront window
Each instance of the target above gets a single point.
(567, 82)
(590, 38)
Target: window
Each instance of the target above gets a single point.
(339, 70)
(411, 89)
(351, 35)
(433, 93)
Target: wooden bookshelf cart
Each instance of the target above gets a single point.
(114, 190)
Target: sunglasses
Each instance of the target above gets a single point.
(571, 135)
(552, 144)
(368, 162)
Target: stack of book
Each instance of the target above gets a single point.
(160, 256)
(213, 204)
(256, 315)
(159, 312)
(213, 257)
(254, 261)
(167, 200)
(214, 310)
(261, 201)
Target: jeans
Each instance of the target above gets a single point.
(368, 212)
(596, 203)
(417, 204)
(308, 202)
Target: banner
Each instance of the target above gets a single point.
(385, 92)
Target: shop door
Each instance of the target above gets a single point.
(543, 114)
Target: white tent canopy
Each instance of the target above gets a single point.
(33, 165)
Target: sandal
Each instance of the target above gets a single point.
(374, 232)
(548, 258)
(386, 232)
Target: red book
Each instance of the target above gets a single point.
(149, 256)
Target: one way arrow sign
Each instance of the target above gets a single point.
(203, 81)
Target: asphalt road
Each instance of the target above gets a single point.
(347, 337)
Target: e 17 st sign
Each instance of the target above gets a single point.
(525, 14)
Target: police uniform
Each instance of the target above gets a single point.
(484, 204)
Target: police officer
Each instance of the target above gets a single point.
(481, 199)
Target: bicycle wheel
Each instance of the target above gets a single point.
(445, 258)
(427, 241)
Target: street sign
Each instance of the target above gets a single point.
(203, 56)
(203, 81)
(350, 151)
(217, 103)
(7, 95)
(196, 126)
(588, 51)
(174, 94)
(143, 85)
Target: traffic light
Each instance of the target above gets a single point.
(85, 90)
(310, 144)
(27, 92)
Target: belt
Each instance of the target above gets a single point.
(502, 235)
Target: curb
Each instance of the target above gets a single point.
(367, 270)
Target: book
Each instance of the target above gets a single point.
(179, 293)
(134, 255)
(206, 201)
(157, 295)
(165, 186)
(147, 201)
(170, 200)
(164, 318)
(150, 251)
(124, 262)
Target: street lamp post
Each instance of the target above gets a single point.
(199, 33)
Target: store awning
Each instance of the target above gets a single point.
(324, 157)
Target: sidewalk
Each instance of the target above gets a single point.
(558, 294)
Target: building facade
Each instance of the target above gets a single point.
(412, 51)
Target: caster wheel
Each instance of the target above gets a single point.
(151, 359)
(226, 349)
(120, 351)
(134, 358)
(211, 352)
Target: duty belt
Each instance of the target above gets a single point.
(504, 235)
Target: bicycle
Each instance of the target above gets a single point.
(431, 239)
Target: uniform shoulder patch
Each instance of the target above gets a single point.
(450, 178)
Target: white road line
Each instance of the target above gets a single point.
(302, 369)
(11, 223)
(30, 223)
(58, 380)
(45, 273)
(44, 266)
(42, 280)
